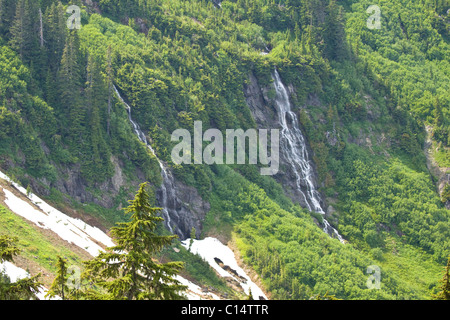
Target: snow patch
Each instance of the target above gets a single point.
(212, 250)
(62, 225)
(70, 229)
(15, 273)
(194, 292)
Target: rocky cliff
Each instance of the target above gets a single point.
(264, 112)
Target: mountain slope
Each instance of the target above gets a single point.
(361, 97)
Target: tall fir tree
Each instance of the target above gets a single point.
(55, 32)
(59, 285)
(335, 47)
(110, 88)
(129, 270)
(70, 92)
(444, 294)
(25, 32)
(96, 164)
(19, 29)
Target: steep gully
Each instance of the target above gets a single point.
(292, 146)
(167, 186)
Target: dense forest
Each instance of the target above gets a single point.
(367, 100)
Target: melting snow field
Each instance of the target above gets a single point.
(72, 230)
(211, 249)
(15, 273)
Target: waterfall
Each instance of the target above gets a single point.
(167, 187)
(293, 147)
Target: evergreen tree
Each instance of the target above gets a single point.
(96, 164)
(47, 3)
(444, 294)
(25, 32)
(18, 29)
(110, 89)
(23, 289)
(128, 270)
(55, 32)
(59, 285)
(8, 249)
(334, 33)
(70, 89)
(7, 12)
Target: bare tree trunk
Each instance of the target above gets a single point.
(108, 124)
(41, 28)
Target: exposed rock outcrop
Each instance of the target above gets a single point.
(265, 115)
(441, 174)
(185, 207)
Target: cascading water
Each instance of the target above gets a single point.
(293, 146)
(167, 187)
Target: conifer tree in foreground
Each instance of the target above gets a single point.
(128, 270)
(59, 285)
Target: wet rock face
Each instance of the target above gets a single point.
(185, 207)
(266, 117)
(441, 174)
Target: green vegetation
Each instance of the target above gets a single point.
(394, 200)
(128, 270)
(297, 260)
(34, 245)
(21, 289)
(409, 54)
(59, 285)
(445, 286)
(363, 98)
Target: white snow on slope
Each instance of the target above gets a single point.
(194, 292)
(210, 248)
(65, 227)
(15, 273)
(72, 230)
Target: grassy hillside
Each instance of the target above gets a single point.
(39, 249)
